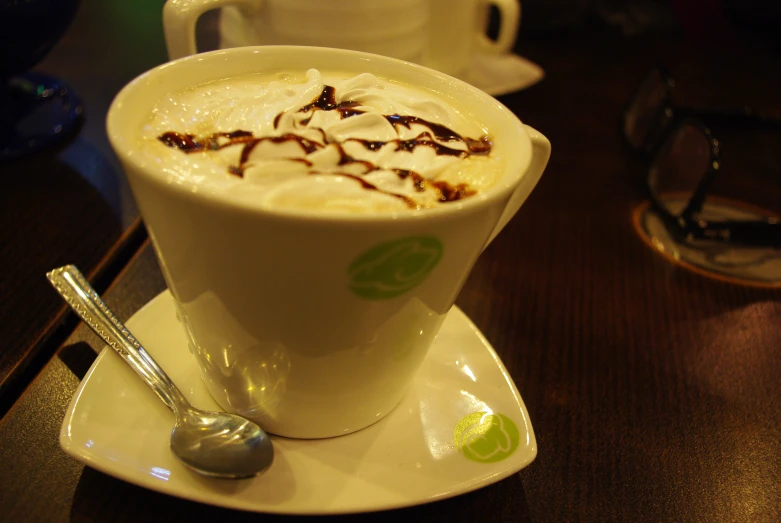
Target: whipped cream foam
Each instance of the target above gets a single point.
(321, 141)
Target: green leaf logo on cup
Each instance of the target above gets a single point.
(390, 269)
(486, 437)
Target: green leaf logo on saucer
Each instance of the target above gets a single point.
(392, 268)
(486, 437)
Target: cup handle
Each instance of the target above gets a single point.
(540, 156)
(180, 17)
(510, 19)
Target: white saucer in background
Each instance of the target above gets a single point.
(737, 264)
(461, 426)
(495, 74)
(502, 74)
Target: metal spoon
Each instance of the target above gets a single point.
(216, 444)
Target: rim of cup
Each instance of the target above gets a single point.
(125, 119)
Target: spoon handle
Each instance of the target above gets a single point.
(86, 302)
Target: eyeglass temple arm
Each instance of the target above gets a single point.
(759, 234)
(745, 116)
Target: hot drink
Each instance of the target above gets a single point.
(322, 141)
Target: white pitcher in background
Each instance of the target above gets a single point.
(442, 34)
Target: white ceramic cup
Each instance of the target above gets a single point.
(304, 321)
(443, 34)
(457, 31)
(394, 28)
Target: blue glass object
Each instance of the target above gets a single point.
(36, 110)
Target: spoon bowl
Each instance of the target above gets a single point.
(216, 444)
(220, 444)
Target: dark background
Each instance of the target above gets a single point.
(653, 391)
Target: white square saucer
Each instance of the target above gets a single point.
(461, 426)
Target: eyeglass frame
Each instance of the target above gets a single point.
(687, 224)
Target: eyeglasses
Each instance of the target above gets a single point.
(685, 160)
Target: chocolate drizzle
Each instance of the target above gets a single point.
(346, 159)
(412, 204)
(188, 143)
(183, 142)
(307, 145)
(327, 102)
(446, 191)
(440, 131)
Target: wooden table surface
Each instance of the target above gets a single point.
(654, 392)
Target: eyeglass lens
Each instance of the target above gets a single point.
(679, 166)
(642, 116)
